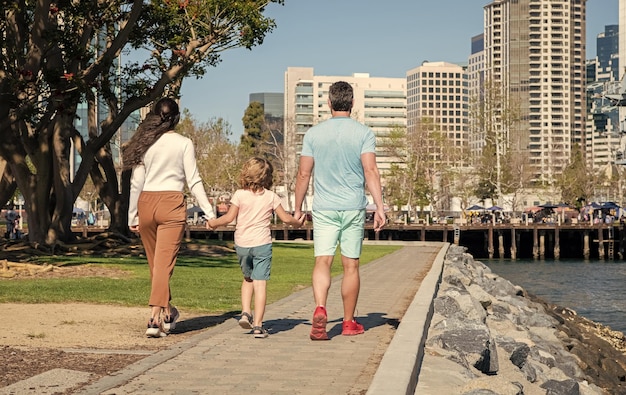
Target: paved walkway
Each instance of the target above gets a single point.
(227, 360)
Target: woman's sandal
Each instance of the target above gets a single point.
(259, 332)
(245, 321)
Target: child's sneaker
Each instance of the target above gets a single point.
(350, 328)
(318, 325)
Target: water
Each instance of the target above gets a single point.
(594, 289)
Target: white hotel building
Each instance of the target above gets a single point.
(379, 103)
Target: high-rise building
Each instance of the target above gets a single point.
(475, 83)
(273, 108)
(437, 99)
(607, 54)
(379, 103)
(273, 103)
(603, 135)
(535, 49)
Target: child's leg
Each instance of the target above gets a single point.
(246, 295)
(259, 301)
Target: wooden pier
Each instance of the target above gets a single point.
(506, 241)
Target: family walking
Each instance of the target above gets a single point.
(342, 152)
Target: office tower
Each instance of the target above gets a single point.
(379, 103)
(273, 103)
(622, 28)
(437, 100)
(607, 54)
(475, 83)
(603, 135)
(535, 49)
(273, 108)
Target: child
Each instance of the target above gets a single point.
(252, 206)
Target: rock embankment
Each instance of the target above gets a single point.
(488, 336)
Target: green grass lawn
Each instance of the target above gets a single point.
(199, 284)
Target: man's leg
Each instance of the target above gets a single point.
(321, 279)
(350, 286)
(321, 285)
(351, 245)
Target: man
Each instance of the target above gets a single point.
(343, 152)
(11, 217)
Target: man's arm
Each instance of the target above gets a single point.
(372, 180)
(302, 182)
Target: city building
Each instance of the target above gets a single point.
(274, 110)
(475, 83)
(535, 49)
(603, 135)
(379, 103)
(437, 100)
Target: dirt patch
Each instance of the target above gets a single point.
(99, 339)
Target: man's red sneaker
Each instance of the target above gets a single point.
(351, 328)
(318, 327)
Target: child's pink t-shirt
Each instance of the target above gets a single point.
(254, 216)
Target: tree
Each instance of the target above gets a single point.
(264, 136)
(410, 180)
(578, 180)
(256, 134)
(517, 176)
(219, 160)
(56, 55)
(493, 117)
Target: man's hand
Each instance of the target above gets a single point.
(134, 228)
(300, 216)
(301, 219)
(380, 219)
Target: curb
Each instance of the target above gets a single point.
(399, 369)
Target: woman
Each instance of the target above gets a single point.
(162, 161)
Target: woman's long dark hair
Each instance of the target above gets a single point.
(163, 118)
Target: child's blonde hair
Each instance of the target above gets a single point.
(256, 174)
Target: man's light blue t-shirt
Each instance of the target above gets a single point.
(336, 146)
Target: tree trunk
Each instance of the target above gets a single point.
(61, 221)
(8, 185)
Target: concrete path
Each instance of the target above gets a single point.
(228, 360)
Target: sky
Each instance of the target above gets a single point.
(343, 37)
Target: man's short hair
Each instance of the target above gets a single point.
(341, 96)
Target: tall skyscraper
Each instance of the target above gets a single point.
(603, 135)
(475, 83)
(607, 54)
(535, 50)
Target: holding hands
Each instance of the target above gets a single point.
(297, 220)
(300, 219)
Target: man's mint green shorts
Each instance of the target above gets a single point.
(345, 228)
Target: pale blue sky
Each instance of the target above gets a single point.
(342, 37)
